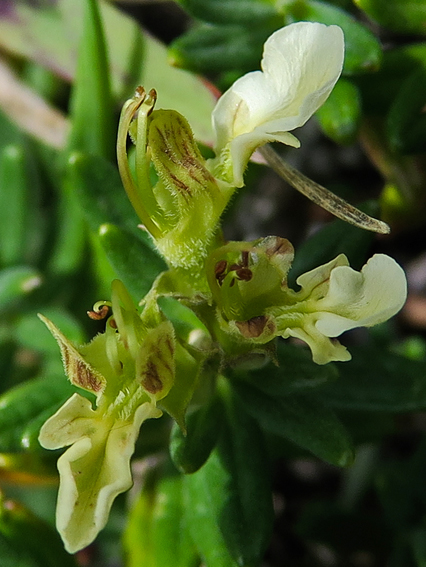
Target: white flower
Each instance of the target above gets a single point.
(300, 66)
(335, 298)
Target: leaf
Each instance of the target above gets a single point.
(406, 17)
(231, 11)
(16, 283)
(295, 373)
(301, 418)
(379, 89)
(377, 380)
(363, 52)
(203, 426)
(229, 499)
(406, 124)
(92, 113)
(71, 233)
(13, 201)
(49, 34)
(340, 115)
(101, 194)
(156, 533)
(27, 541)
(21, 225)
(26, 403)
(135, 263)
(209, 49)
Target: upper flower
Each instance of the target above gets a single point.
(300, 66)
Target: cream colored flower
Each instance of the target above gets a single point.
(335, 298)
(126, 369)
(300, 66)
(96, 467)
(249, 285)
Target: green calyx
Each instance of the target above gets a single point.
(182, 209)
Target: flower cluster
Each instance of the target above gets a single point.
(141, 366)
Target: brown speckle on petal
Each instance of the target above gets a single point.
(252, 328)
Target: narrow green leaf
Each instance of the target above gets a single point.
(136, 264)
(208, 49)
(379, 89)
(27, 541)
(49, 33)
(203, 426)
(406, 124)
(22, 226)
(16, 283)
(25, 403)
(295, 373)
(71, 233)
(378, 380)
(231, 11)
(229, 499)
(340, 115)
(363, 52)
(101, 195)
(407, 17)
(31, 333)
(92, 116)
(156, 533)
(303, 419)
(13, 205)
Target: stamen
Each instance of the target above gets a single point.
(100, 310)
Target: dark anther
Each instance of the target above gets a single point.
(244, 274)
(220, 270)
(112, 323)
(245, 258)
(99, 314)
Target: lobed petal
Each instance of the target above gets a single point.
(71, 423)
(324, 350)
(94, 470)
(362, 299)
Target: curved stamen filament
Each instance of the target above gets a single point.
(142, 191)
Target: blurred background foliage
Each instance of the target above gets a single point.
(66, 67)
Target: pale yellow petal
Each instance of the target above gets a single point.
(93, 472)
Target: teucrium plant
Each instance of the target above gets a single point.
(141, 365)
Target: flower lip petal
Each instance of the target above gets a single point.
(93, 472)
(362, 299)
